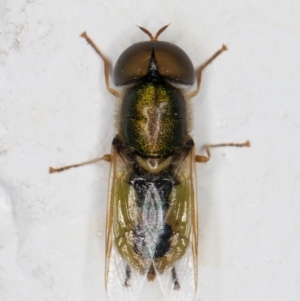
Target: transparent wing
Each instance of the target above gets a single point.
(116, 288)
(122, 282)
(179, 281)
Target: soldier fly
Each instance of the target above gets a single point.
(152, 223)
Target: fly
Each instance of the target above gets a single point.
(152, 220)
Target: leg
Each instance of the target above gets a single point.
(104, 158)
(204, 159)
(199, 71)
(175, 279)
(128, 276)
(106, 62)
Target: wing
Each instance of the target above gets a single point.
(177, 271)
(178, 282)
(122, 281)
(119, 273)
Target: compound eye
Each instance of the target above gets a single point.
(172, 62)
(133, 63)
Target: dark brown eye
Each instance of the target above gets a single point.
(172, 62)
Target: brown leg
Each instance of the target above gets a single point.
(106, 157)
(204, 159)
(128, 276)
(106, 62)
(176, 285)
(201, 67)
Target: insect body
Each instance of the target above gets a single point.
(152, 222)
(152, 227)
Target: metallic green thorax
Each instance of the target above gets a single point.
(153, 119)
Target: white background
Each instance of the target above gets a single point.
(55, 110)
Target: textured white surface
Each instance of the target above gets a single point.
(55, 110)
